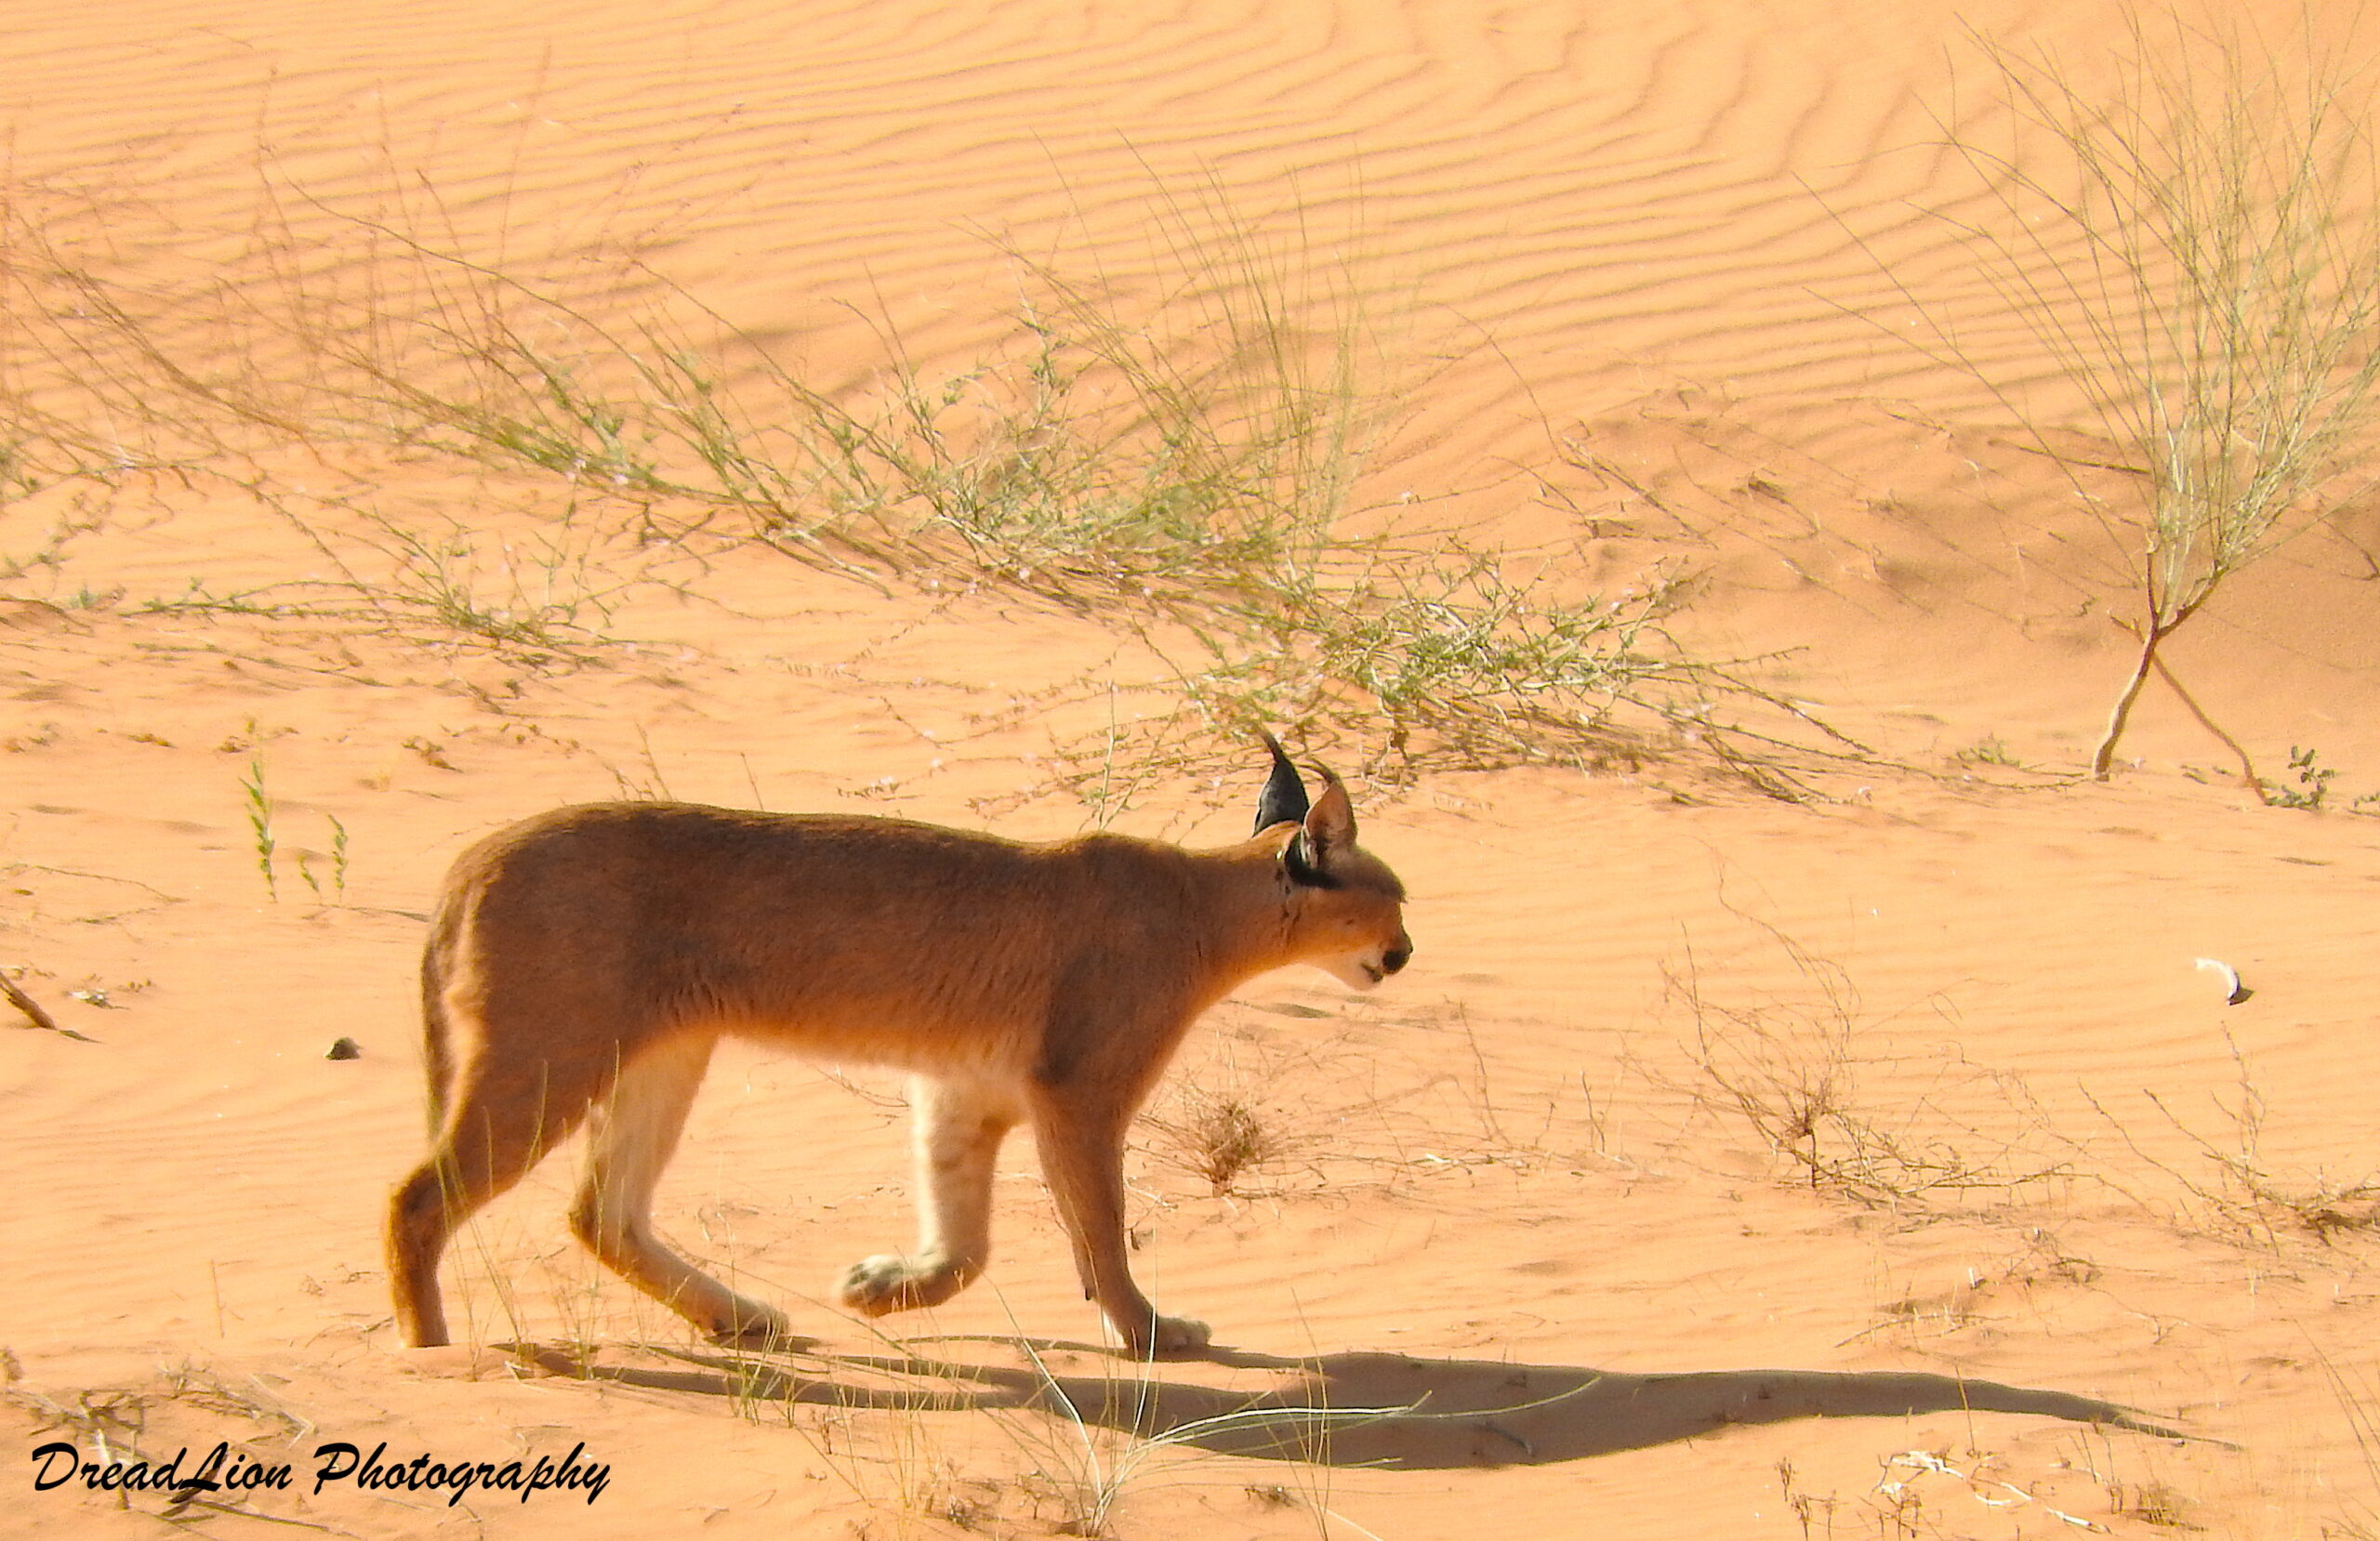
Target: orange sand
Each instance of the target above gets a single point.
(1510, 1199)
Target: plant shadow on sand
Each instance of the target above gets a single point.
(1381, 1410)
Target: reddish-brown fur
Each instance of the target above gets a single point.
(583, 963)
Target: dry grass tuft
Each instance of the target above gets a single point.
(2159, 1504)
(1217, 1137)
(1793, 1071)
(128, 1423)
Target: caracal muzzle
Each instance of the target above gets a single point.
(582, 964)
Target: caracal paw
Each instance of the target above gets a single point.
(750, 1324)
(884, 1284)
(1169, 1336)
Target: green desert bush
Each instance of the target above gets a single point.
(1178, 447)
(2192, 246)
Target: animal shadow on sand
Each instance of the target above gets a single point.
(1385, 1410)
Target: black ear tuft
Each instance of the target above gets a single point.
(1284, 799)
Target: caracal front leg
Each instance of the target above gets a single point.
(632, 1136)
(959, 1124)
(1082, 1155)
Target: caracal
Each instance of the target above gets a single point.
(584, 961)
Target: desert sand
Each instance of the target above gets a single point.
(1531, 1244)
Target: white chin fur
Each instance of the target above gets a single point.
(1356, 973)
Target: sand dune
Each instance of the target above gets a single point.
(2062, 1240)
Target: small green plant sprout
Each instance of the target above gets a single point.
(338, 864)
(260, 821)
(1990, 751)
(2192, 248)
(2313, 783)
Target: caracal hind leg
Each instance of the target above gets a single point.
(498, 1122)
(629, 1142)
(959, 1124)
(1082, 1155)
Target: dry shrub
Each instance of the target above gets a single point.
(2233, 1189)
(1793, 1071)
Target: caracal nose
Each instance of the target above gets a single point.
(1397, 957)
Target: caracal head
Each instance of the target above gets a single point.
(1346, 909)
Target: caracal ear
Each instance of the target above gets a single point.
(1283, 800)
(1329, 831)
